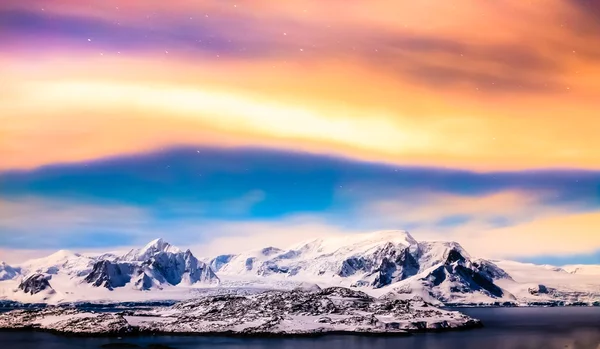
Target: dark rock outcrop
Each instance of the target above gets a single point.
(540, 289)
(35, 283)
(397, 266)
(160, 268)
(462, 277)
(109, 274)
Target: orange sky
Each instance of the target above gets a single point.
(470, 84)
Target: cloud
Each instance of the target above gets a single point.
(506, 224)
(431, 209)
(285, 77)
(497, 87)
(30, 224)
(33, 223)
(237, 237)
(509, 224)
(238, 184)
(568, 234)
(543, 235)
(501, 225)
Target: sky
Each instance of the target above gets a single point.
(229, 125)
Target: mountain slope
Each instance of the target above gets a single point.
(7, 272)
(156, 265)
(593, 270)
(69, 276)
(533, 283)
(63, 261)
(385, 261)
(148, 251)
(389, 264)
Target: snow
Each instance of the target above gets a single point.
(544, 274)
(7, 272)
(356, 243)
(320, 257)
(574, 287)
(46, 321)
(74, 277)
(387, 263)
(146, 252)
(61, 261)
(583, 269)
(273, 312)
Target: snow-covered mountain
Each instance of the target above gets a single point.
(153, 266)
(583, 269)
(7, 272)
(385, 263)
(67, 276)
(533, 284)
(63, 261)
(36, 283)
(394, 263)
(148, 251)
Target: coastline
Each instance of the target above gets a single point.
(275, 313)
(137, 332)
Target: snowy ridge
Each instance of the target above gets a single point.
(61, 261)
(539, 284)
(67, 276)
(7, 272)
(583, 269)
(387, 263)
(394, 263)
(146, 252)
(378, 262)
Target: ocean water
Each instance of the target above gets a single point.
(505, 328)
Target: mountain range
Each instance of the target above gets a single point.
(383, 264)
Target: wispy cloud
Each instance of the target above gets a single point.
(279, 75)
(164, 112)
(501, 225)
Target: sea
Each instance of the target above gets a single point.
(505, 328)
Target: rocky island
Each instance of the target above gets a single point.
(273, 313)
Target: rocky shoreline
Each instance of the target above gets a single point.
(297, 313)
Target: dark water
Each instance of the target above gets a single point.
(506, 328)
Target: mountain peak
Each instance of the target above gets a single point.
(7, 272)
(153, 247)
(57, 257)
(395, 236)
(159, 245)
(64, 254)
